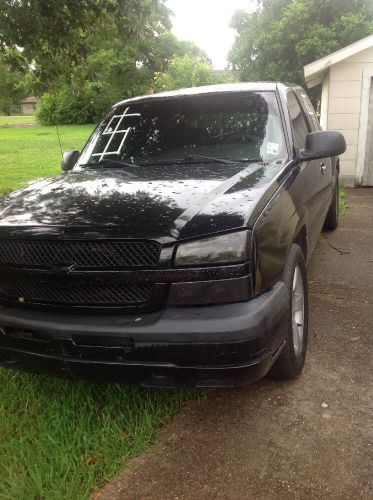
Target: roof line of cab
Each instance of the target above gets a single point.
(211, 89)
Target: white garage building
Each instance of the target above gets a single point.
(347, 105)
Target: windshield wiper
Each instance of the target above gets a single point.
(224, 160)
(162, 162)
(254, 160)
(210, 158)
(109, 163)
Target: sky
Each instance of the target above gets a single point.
(206, 23)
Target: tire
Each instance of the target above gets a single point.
(331, 221)
(291, 360)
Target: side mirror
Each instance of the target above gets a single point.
(69, 159)
(322, 145)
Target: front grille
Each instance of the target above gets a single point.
(81, 254)
(28, 292)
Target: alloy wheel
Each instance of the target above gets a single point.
(298, 310)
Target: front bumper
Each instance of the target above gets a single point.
(210, 346)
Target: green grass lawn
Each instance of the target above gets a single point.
(343, 206)
(62, 439)
(30, 153)
(7, 120)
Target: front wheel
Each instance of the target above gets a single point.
(291, 360)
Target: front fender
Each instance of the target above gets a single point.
(277, 228)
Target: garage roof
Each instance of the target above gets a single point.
(314, 72)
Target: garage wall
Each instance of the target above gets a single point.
(344, 105)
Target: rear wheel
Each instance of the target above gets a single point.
(291, 360)
(331, 221)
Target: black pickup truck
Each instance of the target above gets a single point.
(172, 251)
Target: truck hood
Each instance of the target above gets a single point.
(170, 201)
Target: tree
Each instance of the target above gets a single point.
(111, 46)
(188, 71)
(57, 36)
(160, 54)
(15, 81)
(86, 55)
(275, 42)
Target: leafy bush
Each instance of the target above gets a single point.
(86, 105)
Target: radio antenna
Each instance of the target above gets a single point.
(59, 140)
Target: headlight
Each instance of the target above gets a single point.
(224, 249)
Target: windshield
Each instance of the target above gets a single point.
(239, 126)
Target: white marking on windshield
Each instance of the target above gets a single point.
(112, 133)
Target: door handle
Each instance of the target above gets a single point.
(323, 167)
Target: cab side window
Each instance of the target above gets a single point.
(300, 126)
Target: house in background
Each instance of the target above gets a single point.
(346, 77)
(29, 105)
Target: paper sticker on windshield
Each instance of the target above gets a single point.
(272, 148)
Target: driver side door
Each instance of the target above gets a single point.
(317, 174)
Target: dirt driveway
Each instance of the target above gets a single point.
(310, 438)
